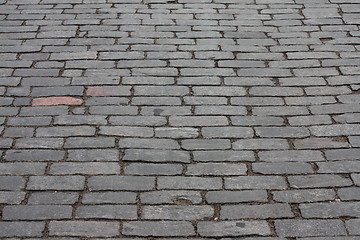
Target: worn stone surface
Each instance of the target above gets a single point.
(295, 228)
(179, 119)
(233, 228)
(158, 229)
(256, 211)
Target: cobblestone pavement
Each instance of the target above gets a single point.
(180, 119)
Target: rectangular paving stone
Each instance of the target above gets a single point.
(205, 144)
(165, 72)
(217, 109)
(105, 91)
(21, 229)
(84, 228)
(148, 143)
(352, 226)
(339, 167)
(335, 108)
(43, 111)
(342, 154)
(356, 179)
(191, 121)
(89, 142)
(279, 168)
(150, 155)
(59, 91)
(80, 120)
(170, 197)
(45, 143)
(219, 91)
(158, 229)
(255, 182)
(12, 183)
(276, 91)
(11, 197)
(156, 101)
(256, 121)
(207, 72)
(118, 212)
(349, 193)
(258, 143)
(102, 155)
(189, 183)
(6, 143)
(101, 101)
(330, 210)
(18, 132)
(280, 111)
(233, 228)
(308, 195)
(309, 100)
(257, 101)
(109, 198)
(85, 168)
(153, 169)
(37, 212)
(160, 90)
(86, 64)
(341, 80)
(282, 132)
(198, 80)
(183, 132)
(264, 211)
(227, 132)
(126, 131)
(176, 212)
(263, 72)
(318, 181)
(354, 141)
(24, 72)
(56, 183)
(53, 198)
(113, 110)
(216, 169)
(305, 228)
(291, 156)
(22, 168)
(335, 130)
(34, 155)
(65, 131)
(236, 196)
(135, 183)
(248, 81)
(137, 120)
(9, 111)
(223, 156)
(318, 143)
(166, 110)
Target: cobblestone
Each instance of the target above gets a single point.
(293, 228)
(256, 211)
(179, 119)
(233, 228)
(308, 195)
(84, 228)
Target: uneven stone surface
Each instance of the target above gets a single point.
(180, 119)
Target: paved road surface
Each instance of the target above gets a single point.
(180, 119)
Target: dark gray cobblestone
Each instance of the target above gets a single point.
(179, 119)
